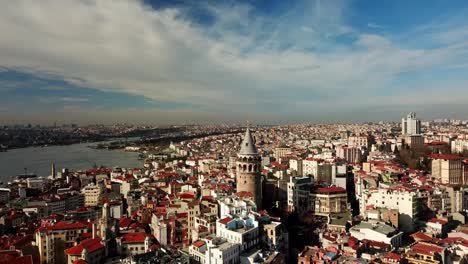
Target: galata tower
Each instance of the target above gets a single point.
(248, 167)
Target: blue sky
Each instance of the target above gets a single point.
(268, 61)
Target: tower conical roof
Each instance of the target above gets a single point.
(248, 144)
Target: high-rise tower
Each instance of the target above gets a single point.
(411, 125)
(248, 166)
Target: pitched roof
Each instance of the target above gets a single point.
(420, 236)
(138, 237)
(90, 245)
(69, 225)
(394, 256)
(226, 220)
(426, 249)
(13, 256)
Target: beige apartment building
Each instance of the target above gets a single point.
(92, 194)
(448, 169)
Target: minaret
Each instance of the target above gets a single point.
(248, 166)
(104, 225)
(104, 221)
(54, 173)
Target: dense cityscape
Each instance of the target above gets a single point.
(331, 193)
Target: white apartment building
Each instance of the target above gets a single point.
(133, 243)
(296, 165)
(222, 252)
(359, 141)
(350, 154)
(377, 232)
(436, 226)
(310, 166)
(159, 229)
(35, 183)
(404, 200)
(230, 206)
(456, 198)
(411, 125)
(459, 145)
(298, 194)
(281, 152)
(4, 194)
(215, 251)
(322, 171)
(340, 177)
(204, 225)
(242, 231)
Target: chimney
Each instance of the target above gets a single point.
(53, 171)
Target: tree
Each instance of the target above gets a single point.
(396, 151)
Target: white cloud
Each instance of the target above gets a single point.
(74, 99)
(241, 61)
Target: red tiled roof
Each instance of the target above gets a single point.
(186, 195)
(420, 236)
(86, 235)
(182, 215)
(13, 256)
(90, 245)
(208, 197)
(453, 240)
(444, 157)
(394, 256)
(353, 242)
(376, 244)
(426, 249)
(279, 165)
(138, 237)
(18, 241)
(437, 143)
(69, 225)
(331, 190)
(125, 222)
(263, 212)
(437, 221)
(226, 220)
(244, 194)
(198, 243)
(24, 260)
(313, 159)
